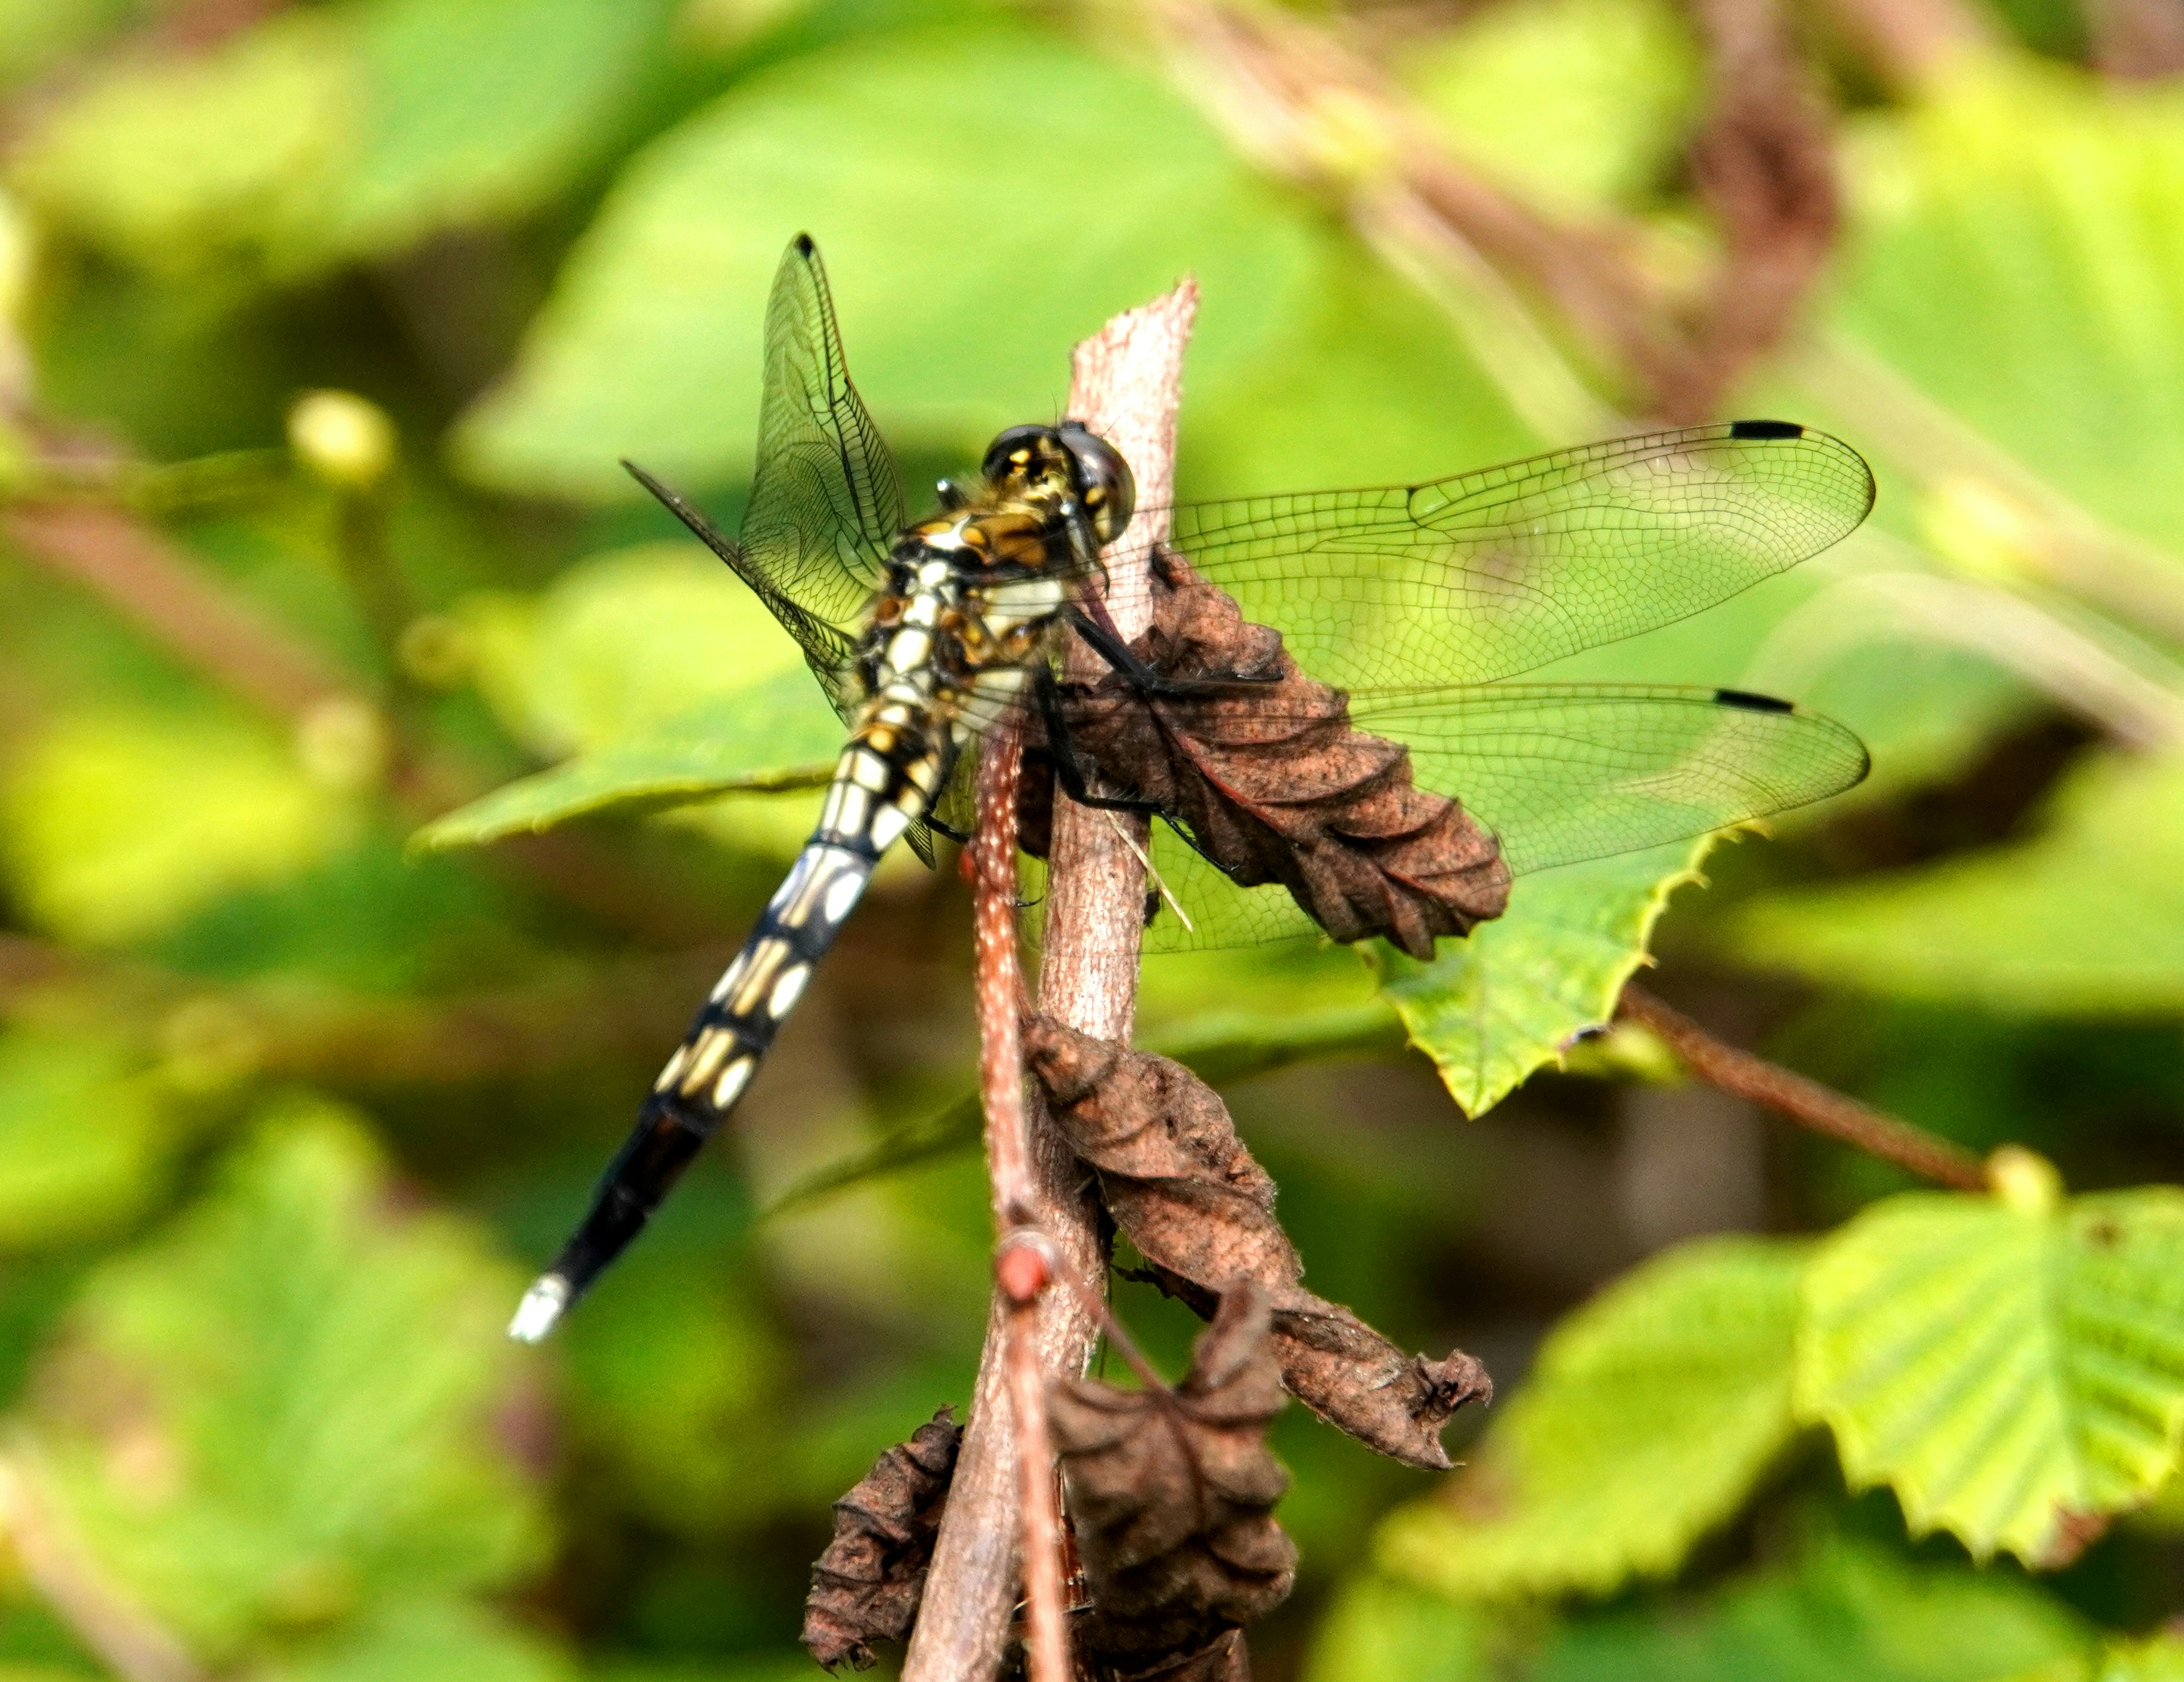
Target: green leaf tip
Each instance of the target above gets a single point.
(2012, 1367)
(1492, 1009)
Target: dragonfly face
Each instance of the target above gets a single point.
(1074, 471)
(1421, 601)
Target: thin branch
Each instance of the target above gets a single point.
(1021, 1270)
(1127, 386)
(1806, 1102)
(121, 1635)
(1764, 165)
(179, 604)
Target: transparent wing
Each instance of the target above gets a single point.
(1491, 574)
(828, 650)
(1560, 773)
(826, 506)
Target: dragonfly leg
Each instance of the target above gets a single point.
(1071, 769)
(1099, 631)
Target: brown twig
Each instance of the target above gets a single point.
(1127, 387)
(1296, 98)
(1764, 165)
(1021, 1270)
(1806, 1102)
(179, 604)
(1911, 44)
(120, 1633)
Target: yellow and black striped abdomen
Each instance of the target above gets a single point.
(887, 779)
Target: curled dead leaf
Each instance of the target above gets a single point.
(1178, 1180)
(1270, 782)
(1172, 1493)
(867, 1584)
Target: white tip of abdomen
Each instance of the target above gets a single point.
(541, 1308)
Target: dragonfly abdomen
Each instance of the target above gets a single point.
(885, 779)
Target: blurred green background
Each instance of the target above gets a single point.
(288, 1113)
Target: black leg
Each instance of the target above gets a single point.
(1071, 769)
(1100, 635)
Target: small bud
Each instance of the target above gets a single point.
(1023, 1268)
(438, 650)
(342, 744)
(1624, 1051)
(1982, 532)
(345, 440)
(2025, 1180)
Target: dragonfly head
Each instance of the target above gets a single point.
(1067, 469)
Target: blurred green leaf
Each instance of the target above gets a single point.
(1846, 1613)
(2158, 1659)
(2029, 208)
(340, 131)
(427, 1640)
(1649, 1415)
(85, 1137)
(1378, 1629)
(2010, 1371)
(118, 823)
(623, 642)
(675, 1387)
(2088, 915)
(1579, 102)
(1494, 1007)
(36, 34)
(649, 347)
(275, 1421)
(779, 735)
(666, 678)
(168, 161)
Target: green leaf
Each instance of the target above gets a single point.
(117, 823)
(344, 131)
(2028, 207)
(1846, 1613)
(427, 1640)
(1650, 1413)
(1491, 1008)
(2088, 915)
(275, 1421)
(649, 346)
(666, 678)
(621, 642)
(676, 1385)
(86, 1138)
(476, 111)
(1377, 1631)
(2009, 1369)
(780, 735)
(233, 138)
(2158, 1659)
(1579, 102)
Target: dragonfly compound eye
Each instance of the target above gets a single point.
(1104, 484)
(1020, 456)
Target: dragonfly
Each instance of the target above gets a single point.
(1423, 600)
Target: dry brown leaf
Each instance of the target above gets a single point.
(1272, 784)
(867, 1584)
(1177, 1179)
(1172, 1493)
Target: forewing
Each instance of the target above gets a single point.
(826, 506)
(1490, 574)
(1560, 774)
(828, 648)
